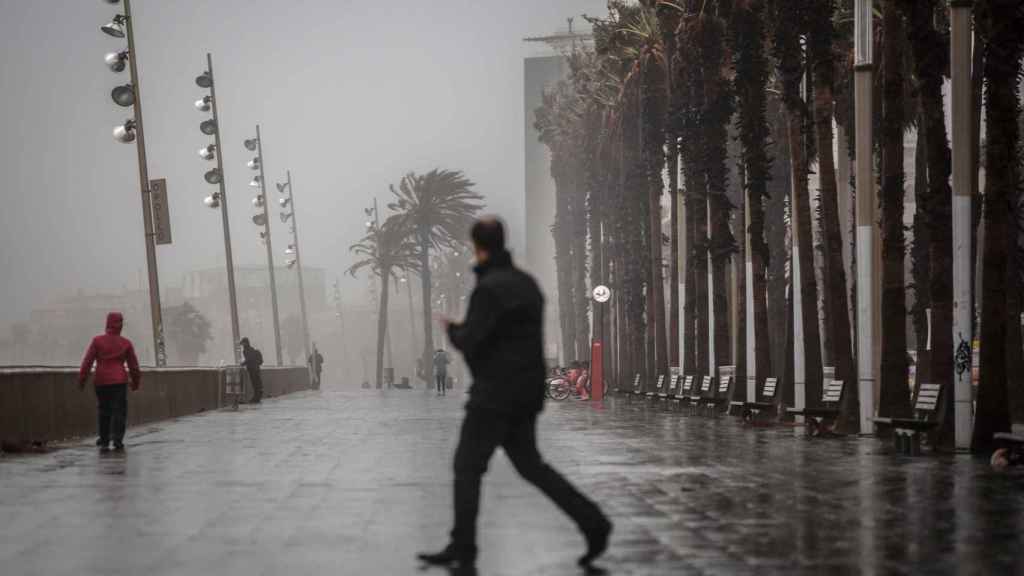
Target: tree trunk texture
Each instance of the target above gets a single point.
(1004, 19)
(894, 398)
(800, 218)
(425, 292)
(837, 319)
(382, 325)
(930, 49)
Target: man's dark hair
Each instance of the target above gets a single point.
(488, 234)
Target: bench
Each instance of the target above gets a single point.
(684, 390)
(696, 399)
(721, 395)
(751, 410)
(827, 412)
(1012, 443)
(632, 391)
(670, 391)
(907, 431)
(659, 388)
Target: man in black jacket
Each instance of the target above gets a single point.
(252, 359)
(502, 341)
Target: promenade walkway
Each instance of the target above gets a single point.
(356, 482)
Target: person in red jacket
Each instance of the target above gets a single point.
(116, 368)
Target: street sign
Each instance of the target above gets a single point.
(602, 293)
(161, 212)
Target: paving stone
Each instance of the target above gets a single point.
(357, 482)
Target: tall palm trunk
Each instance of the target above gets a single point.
(837, 319)
(654, 110)
(920, 269)
(382, 324)
(894, 401)
(1003, 48)
(751, 67)
(423, 237)
(790, 17)
(931, 55)
(563, 263)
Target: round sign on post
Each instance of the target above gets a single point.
(602, 293)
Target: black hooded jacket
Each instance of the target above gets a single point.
(502, 339)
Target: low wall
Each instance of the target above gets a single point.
(45, 404)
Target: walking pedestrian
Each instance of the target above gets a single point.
(117, 368)
(502, 341)
(252, 359)
(316, 366)
(441, 362)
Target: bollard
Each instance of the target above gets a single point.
(596, 372)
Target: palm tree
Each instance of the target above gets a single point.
(386, 250)
(751, 67)
(931, 57)
(435, 210)
(894, 401)
(789, 18)
(189, 331)
(821, 56)
(1001, 21)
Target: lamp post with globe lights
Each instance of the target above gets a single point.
(211, 127)
(131, 130)
(262, 219)
(293, 252)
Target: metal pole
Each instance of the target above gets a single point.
(228, 258)
(865, 181)
(270, 248)
(960, 60)
(298, 266)
(155, 311)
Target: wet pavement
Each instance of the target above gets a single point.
(357, 482)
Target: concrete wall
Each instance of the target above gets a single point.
(45, 404)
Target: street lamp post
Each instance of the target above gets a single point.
(296, 254)
(211, 127)
(260, 201)
(865, 181)
(122, 26)
(960, 69)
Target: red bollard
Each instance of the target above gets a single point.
(596, 371)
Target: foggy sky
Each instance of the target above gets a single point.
(349, 94)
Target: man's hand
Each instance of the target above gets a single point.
(446, 322)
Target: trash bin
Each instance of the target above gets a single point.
(233, 385)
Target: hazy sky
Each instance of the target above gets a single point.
(349, 94)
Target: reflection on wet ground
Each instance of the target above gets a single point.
(356, 483)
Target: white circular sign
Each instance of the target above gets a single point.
(602, 294)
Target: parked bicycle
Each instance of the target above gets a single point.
(566, 382)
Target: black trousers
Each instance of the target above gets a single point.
(257, 385)
(482, 432)
(441, 379)
(112, 412)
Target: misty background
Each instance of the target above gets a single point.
(350, 95)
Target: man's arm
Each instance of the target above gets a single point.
(479, 322)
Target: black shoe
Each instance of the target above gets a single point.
(118, 447)
(101, 442)
(448, 557)
(597, 542)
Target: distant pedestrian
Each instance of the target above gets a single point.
(441, 362)
(252, 359)
(316, 366)
(502, 341)
(117, 368)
